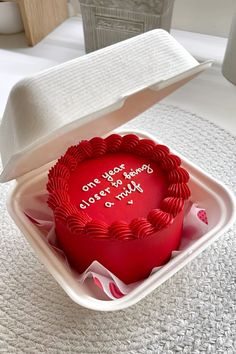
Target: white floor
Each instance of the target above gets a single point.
(210, 95)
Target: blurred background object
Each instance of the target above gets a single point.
(73, 7)
(229, 63)
(10, 18)
(40, 17)
(36, 17)
(109, 21)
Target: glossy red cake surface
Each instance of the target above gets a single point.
(119, 201)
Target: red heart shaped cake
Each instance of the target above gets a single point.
(119, 201)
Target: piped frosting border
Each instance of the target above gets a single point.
(80, 223)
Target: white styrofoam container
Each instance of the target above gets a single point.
(50, 111)
(215, 197)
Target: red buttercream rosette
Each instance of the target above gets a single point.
(79, 222)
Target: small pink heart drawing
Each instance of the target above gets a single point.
(202, 216)
(130, 202)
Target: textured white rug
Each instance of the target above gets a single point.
(193, 312)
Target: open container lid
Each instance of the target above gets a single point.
(89, 96)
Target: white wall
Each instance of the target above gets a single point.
(204, 16)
